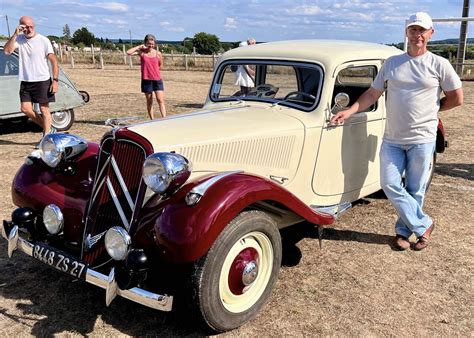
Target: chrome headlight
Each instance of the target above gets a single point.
(53, 219)
(117, 242)
(57, 147)
(166, 171)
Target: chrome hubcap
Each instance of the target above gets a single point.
(250, 273)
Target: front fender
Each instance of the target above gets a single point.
(36, 185)
(184, 233)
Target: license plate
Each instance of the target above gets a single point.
(59, 261)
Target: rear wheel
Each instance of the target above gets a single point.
(235, 278)
(63, 119)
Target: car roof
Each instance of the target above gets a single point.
(328, 52)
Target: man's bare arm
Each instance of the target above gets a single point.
(452, 99)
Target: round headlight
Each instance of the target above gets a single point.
(117, 242)
(51, 153)
(53, 219)
(55, 147)
(165, 171)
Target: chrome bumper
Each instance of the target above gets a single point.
(153, 300)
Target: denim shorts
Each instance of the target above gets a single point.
(149, 86)
(36, 92)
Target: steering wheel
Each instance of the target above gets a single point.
(264, 90)
(298, 93)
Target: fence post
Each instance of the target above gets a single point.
(60, 53)
(72, 60)
(101, 58)
(93, 56)
(124, 55)
(130, 63)
(186, 61)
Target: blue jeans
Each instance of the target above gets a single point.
(414, 160)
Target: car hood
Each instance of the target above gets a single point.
(255, 138)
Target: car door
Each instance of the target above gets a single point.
(10, 85)
(347, 165)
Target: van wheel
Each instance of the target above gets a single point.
(63, 119)
(235, 278)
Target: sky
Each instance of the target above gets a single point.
(376, 21)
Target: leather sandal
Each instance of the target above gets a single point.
(424, 239)
(401, 242)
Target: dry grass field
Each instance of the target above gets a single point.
(357, 285)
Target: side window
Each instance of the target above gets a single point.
(8, 64)
(354, 81)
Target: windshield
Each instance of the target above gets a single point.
(292, 84)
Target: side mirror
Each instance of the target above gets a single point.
(341, 100)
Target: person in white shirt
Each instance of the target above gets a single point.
(37, 86)
(244, 74)
(414, 82)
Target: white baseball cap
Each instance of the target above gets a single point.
(421, 19)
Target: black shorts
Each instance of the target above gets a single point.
(36, 92)
(149, 86)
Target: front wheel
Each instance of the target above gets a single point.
(235, 278)
(63, 119)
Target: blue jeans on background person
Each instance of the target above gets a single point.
(414, 160)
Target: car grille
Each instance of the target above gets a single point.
(116, 194)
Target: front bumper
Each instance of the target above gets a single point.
(153, 300)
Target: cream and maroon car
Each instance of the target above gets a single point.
(198, 200)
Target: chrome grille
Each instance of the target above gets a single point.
(116, 195)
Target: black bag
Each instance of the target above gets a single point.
(233, 68)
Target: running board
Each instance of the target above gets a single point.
(333, 210)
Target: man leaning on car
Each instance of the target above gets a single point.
(414, 81)
(36, 86)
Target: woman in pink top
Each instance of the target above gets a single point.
(151, 60)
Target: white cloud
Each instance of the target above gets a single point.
(168, 26)
(111, 6)
(307, 10)
(77, 16)
(230, 23)
(114, 21)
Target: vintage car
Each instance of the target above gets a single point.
(203, 195)
(67, 98)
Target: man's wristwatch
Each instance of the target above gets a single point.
(55, 79)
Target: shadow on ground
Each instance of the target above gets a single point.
(461, 170)
(190, 105)
(20, 125)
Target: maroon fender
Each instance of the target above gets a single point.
(441, 142)
(37, 185)
(184, 233)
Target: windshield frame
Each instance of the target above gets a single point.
(298, 66)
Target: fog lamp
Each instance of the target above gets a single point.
(53, 219)
(117, 243)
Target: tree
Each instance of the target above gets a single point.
(66, 32)
(84, 36)
(206, 43)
